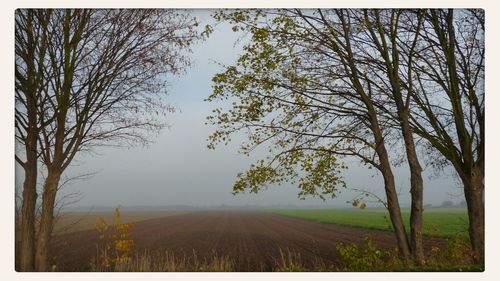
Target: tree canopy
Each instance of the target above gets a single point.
(315, 86)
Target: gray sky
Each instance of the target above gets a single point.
(178, 169)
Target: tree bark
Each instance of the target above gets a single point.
(390, 188)
(395, 210)
(46, 220)
(30, 166)
(474, 196)
(27, 227)
(417, 194)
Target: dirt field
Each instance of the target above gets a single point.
(78, 221)
(253, 240)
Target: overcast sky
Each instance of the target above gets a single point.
(178, 169)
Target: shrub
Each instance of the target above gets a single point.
(367, 257)
(457, 255)
(116, 243)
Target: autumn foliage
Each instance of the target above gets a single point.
(116, 243)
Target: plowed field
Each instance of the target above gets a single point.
(253, 240)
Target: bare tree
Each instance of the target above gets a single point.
(30, 46)
(104, 72)
(449, 103)
(394, 35)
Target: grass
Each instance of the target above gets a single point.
(437, 222)
(167, 262)
(363, 259)
(76, 221)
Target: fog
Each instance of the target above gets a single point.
(178, 169)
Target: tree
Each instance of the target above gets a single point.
(389, 34)
(303, 86)
(31, 40)
(449, 103)
(447, 204)
(103, 73)
(327, 83)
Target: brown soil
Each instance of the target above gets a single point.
(253, 240)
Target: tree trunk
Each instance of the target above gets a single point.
(474, 196)
(46, 220)
(29, 86)
(417, 194)
(390, 190)
(416, 217)
(395, 214)
(27, 228)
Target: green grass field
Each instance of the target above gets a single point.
(437, 222)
